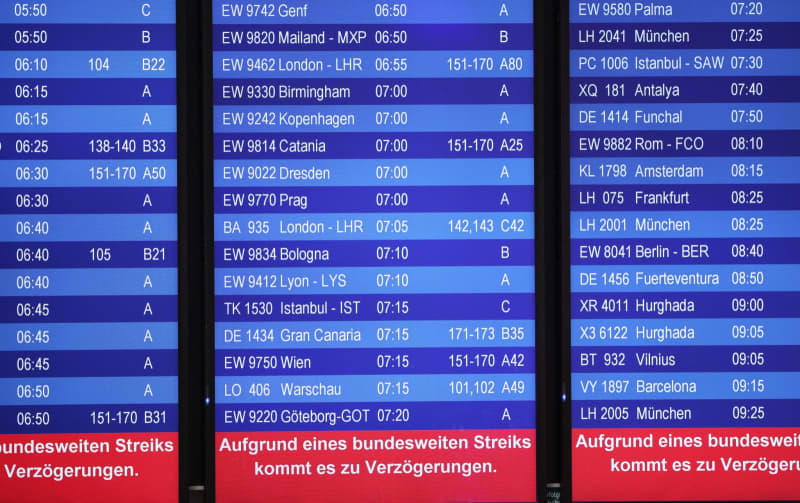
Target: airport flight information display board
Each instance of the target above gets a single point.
(684, 202)
(373, 221)
(88, 247)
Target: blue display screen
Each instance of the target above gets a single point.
(374, 249)
(684, 211)
(88, 250)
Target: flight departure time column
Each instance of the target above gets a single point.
(685, 203)
(374, 250)
(88, 251)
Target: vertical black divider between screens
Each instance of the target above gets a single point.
(548, 245)
(563, 264)
(206, 166)
(192, 244)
